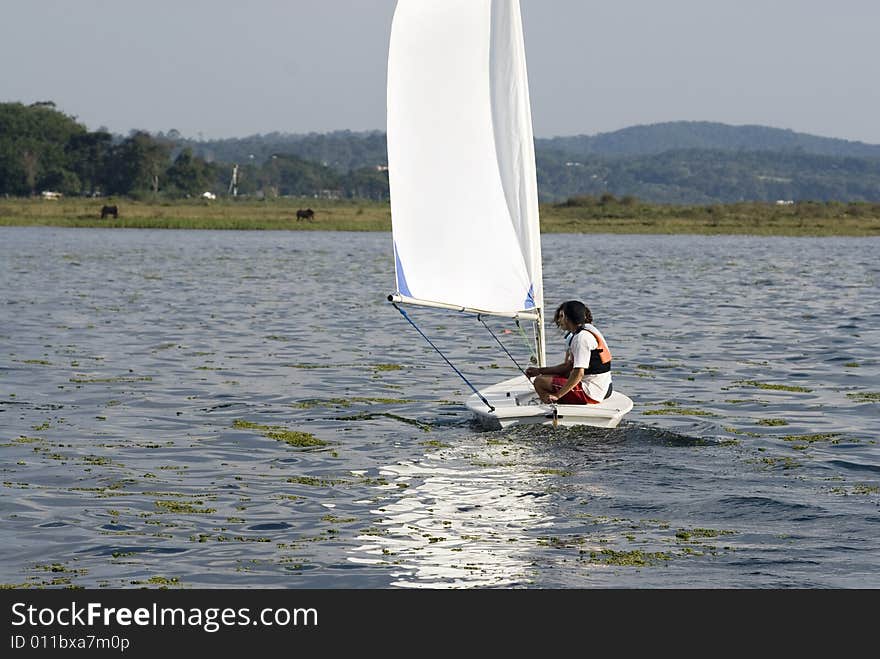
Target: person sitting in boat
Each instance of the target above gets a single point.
(584, 378)
(566, 336)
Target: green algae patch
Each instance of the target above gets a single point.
(436, 443)
(673, 408)
(556, 472)
(387, 367)
(860, 489)
(678, 411)
(162, 582)
(688, 534)
(295, 438)
(95, 460)
(312, 481)
(80, 380)
(183, 507)
(377, 482)
(333, 519)
(866, 489)
(310, 403)
(736, 431)
(249, 425)
(555, 542)
(33, 584)
(810, 439)
(635, 558)
(60, 567)
(382, 401)
(772, 422)
(23, 439)
(774, 387)
(865, 396)
(783, 461)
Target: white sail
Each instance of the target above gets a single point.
(461, 156)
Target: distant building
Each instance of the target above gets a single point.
(49, 194)
(784, 202)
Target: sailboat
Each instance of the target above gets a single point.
(464, 200)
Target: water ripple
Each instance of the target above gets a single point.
(242, 409)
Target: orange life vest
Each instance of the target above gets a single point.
(600, 358)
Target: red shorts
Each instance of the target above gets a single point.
(576, 396)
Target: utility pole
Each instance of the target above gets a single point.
(233, 184)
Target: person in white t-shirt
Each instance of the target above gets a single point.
(584, 378)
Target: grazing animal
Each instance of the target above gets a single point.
(307, 214)
(109, 210)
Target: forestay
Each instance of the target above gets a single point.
(461, 156)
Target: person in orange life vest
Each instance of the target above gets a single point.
(584, 378)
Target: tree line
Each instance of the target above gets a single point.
(42, 149)
(672, 163)
(703, 176)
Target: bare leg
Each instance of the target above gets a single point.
(544, 387)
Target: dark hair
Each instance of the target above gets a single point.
(558, 313)
(576, 312)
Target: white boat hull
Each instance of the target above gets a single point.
(515, 403)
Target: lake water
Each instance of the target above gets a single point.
(147, 379)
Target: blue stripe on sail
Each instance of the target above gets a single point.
(530, 298)
(402, 286)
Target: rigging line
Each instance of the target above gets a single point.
(460, 374)
(533, 357)
(498, 341)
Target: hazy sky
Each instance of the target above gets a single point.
(220, 68)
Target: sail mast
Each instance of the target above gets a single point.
(540, 339)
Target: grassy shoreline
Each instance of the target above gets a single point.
(583, 215)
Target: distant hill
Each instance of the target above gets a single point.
(346, 150)
(680, 162)
(341, 150)
(701, 176)
(680, 135)
(677, 162)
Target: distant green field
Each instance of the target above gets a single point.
(584, 215)
(199, 214)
